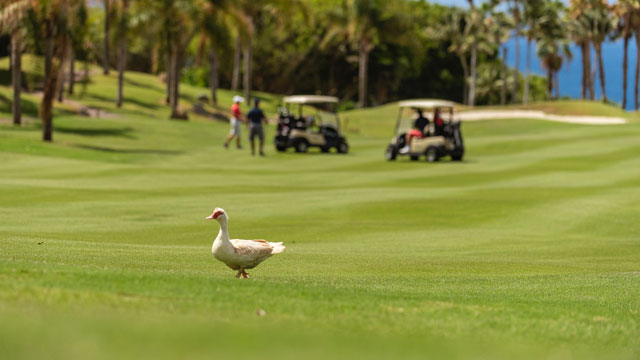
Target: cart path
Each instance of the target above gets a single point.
(475, 115)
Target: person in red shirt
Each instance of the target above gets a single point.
(236, 122)
(438, 123)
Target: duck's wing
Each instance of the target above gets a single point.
(253, 248)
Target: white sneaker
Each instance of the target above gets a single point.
(405, 150)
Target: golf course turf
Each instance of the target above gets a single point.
(530, 248)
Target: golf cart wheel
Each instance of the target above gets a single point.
(432, 154)
(325, 149)
(415, 158)
(343, 148)
(281, 148)
(301, 146)
(391, 153)
(457, 156)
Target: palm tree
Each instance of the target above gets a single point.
(553, 44)
(121, 37)
(454, 30)
(57, 21)
(624, 11)
(105, 58)
(78, 37)
(603, 24)
(515, 8)
(532, 14)
(216, 23)
(11, 20)
(362, 25)
(499, 26)
(248, 12)
(581, 34)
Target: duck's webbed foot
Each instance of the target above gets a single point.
(245, 275)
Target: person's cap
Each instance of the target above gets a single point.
(238, 99)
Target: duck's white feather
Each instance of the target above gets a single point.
(242, 254)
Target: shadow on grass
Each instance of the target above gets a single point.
(120, 132)
(28, 107)
(128, 151)
(142, 85)
(146, 105)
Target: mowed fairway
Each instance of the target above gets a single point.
(528, 249)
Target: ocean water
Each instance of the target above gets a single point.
(570, 77)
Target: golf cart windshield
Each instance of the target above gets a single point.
(410, 110)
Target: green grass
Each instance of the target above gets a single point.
(528, 249)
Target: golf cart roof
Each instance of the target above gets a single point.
(309, 99)
(426, 104)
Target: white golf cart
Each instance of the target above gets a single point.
(440, 137)
(320, 128)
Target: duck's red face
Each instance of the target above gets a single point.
(216, 213)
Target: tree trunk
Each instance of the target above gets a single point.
(174, 83)
(473, 67)
(598, 47)
(235, 75)
(60, 91)
(214, 80)
(585, 76)
(247, 70)
(168, 76)
(637, 83)
(46, 105)
(557, 81)
(16, 77)
(363, 63)
(625, 70)
(549, 83)
(48, 51)
(465, 72)
(122, 61)
(525, 95)
(503, 91)
(105, 59)
(590, 74)
(72, 69)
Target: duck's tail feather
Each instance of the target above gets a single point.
(277, 247)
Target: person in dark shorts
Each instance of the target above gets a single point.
(256, 118)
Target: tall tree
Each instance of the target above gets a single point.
(454, 30)
(532, 14)
(57, 21)
(625, 13)
(553, 44)
(603, 24)
(216, 23)
(105, 58)
(516, 12)
(499, 26)
(12, 16)
(363, 24)
(121, 37)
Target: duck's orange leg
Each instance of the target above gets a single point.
(239, 273)
(244, 274)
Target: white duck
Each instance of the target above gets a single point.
(240, 254)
